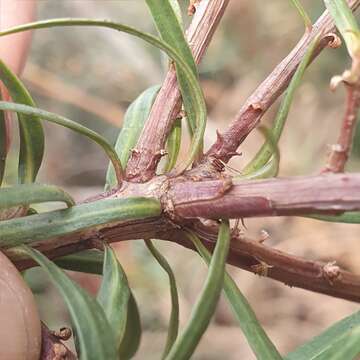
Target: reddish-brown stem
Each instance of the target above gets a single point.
(220, 198)
(340, 151)
(247, 254)
(270, 89)
(142, 163)
(216, 199)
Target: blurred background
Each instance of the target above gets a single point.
(92, 75)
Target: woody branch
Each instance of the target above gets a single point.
(271, 88)
(189, 200)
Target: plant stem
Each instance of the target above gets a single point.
(142, 166)
(340, 151)
(271, 88)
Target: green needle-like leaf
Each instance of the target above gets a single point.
(173, 145)
(271, 168)
(194, 91)
(3, 150)
(177, 10)
(28, 194)
(45, 226)
(265, 152)
(134, 120)
(171, 32)
(174, 317)
(92, 329)
(205, 306)
(339, 342)
(303, 14)
(72, 125)
(351, 217)
(346, 22)
(258, 340)
(87, 261)
(114, 294)
(31, 132)
(132, 336)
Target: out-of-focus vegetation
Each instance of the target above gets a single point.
(93, 75)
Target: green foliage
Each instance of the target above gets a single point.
(173, 145)
(338, 342)
(170, 30)
(28, 194)
(351, 217)
(87, 261)
(270, 168)
(131, 340)
(134, 120)
(95, 340)
(114, 295)
(174, 316)
(260, 343)
(3, 150)
(346, 23)
(31, 132)
(205, 306)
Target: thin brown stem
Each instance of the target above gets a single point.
(340, 151)
(246, 254)
(270, 89)
(142, 164)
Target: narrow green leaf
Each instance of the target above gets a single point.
(3, 150)
(271, 168)
(351, 217)
(303, 14)
(193, 93)
(346, 22)
(93, 331)
(171, 32)
(31, 131)
(205, 306)
(28, 194)
(265, 152)
(174, 316)
(45, 226)
(132, 337)
(257, 338)
(72, 125)
(339, 342)
(134, 120)
(87, 261)
(114, 294)
(177, 10)
(173, 145)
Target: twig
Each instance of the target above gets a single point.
(142, 167)
(340, 151)
(271, 88)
